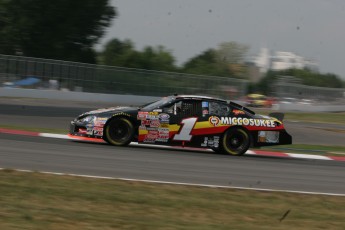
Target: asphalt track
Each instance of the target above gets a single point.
(66, 156)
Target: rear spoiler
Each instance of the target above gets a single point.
(279, 116)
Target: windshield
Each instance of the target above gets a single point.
(157, 104)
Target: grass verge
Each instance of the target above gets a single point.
(43, 201)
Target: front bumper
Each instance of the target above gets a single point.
(79, 129)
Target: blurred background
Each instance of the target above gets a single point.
(261, 54)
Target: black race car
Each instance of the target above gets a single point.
(184, 120)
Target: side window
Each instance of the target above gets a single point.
(218, 109)
(184, 108)
(172, 108)
(190, 108)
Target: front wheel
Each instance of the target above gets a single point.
(119, 131)
(235, 141)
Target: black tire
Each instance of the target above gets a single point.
(119, 132)
(235, 141)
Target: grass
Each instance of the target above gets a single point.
(335, 118)
(42, 201)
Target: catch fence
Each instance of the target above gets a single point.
(73, 76)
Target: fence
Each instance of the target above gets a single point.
(290, 87)
(115, 80)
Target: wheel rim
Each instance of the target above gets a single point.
(236, 142)
(120, 132)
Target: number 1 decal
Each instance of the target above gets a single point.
(185, 130)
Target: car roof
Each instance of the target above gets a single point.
(198, 97)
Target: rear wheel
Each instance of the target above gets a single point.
(235, 141)
(119, 131)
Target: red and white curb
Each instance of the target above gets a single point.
(249, 152)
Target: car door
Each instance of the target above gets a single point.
(170, 124)
(184, 117)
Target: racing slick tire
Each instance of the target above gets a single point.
(119, 131)
(235, 141)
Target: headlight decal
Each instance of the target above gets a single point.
(87, 119)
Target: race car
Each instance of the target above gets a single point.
(186, 121)
(259, 100)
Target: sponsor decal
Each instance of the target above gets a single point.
(211, 142)
(98, 129)
(89, 131)
(151, 117)
(145, 122)
(164, 117)
(162, 139)
(82, 131)
(163, 136)
(214, 121)
(163, 130)
(121, 114)
(98, 124)
(238, 112)
(155, 123)
(147, 140)
(152, 134)
(243, 121)
(204, 104)
(204, 112)
(205, 108)
(152, 128)
(98, 133)
(142, 115)
(164, 125)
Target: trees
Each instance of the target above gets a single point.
(61, 29)
(123, 53)
(226, 60)
(117, 53)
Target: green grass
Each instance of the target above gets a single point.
(335, 118)
(43, 201)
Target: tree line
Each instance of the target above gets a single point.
(69, 30)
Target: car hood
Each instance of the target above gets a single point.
(111, 110)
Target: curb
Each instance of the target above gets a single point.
(249, 152)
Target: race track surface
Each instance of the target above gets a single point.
(66, 156)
